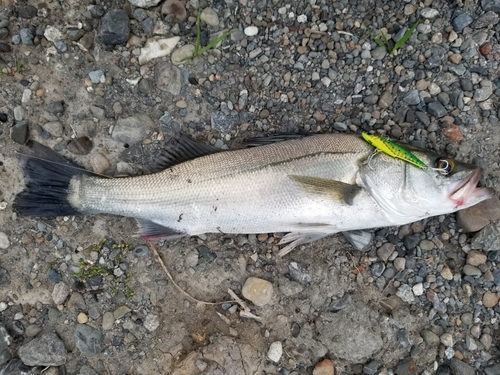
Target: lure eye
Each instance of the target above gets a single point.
(444, 165)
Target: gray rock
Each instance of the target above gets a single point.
(405, 367)
(4, 276)
(5, 339)
(98, 112)
(411, 241)
(115, 27)
(75, 34)
(405, 292)
(385, 251)
(60, 46)
(386, 100)
(422, 116)
(88, 340)
(340, 303)
(483, 93)
(492, 370)
(436, 109)
(54, 107)
(108, 319)
(145, 86)
(17, 367)
(461, 21)
(60, 292)
(132, 129)
(151, 323)
(27, 11)
(348, 335)
(26, 36)
(475, 218)
(4, 241)
(210, 17)
(47, 350)
(371, 368)
(488, 239)
(80, 146)
(224, 123)
(429, 13)
(55, 128)
(493, 5)
(168, 78)
(461, 368)
(430, 337)
(486, 20)
(379, 53)
(298, 273)
(96, 76)
(144, 3)
(19, 133)
(412, 97)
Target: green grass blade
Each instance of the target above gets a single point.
(386, 42)
(374, 37)
(405, 37)
(198, 33)
(214, 42)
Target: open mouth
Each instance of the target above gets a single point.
(467, 188)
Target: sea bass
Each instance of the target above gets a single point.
(310, 188)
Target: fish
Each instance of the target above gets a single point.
(308, 188)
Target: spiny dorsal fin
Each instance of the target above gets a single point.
(336, 190)
(182, 149)
(270, 139)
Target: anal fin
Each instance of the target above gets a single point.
(295, 239)
(150, 230)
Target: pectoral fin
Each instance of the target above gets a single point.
(336, 190)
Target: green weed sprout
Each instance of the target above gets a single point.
(382, 41)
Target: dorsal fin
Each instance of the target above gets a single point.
(270, 139)
(182, 149)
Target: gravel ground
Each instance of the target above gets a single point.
(100, 82)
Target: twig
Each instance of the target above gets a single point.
(245, 313)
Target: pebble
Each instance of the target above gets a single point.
(405, 293)
(144, 3)
(251, 30)
(426, 245)
(258, 291)
(115, 28)
(471, 270)
(80, 146)
(399, 263)
(210, 17)
(152, 322)
(461, 21)
(108, 321)
(54, 128)
(476, 258)
(275, 351)
(475, 218)
(132, 129)
(340, 303)
(406, 367)
(429, 13)
(88, 340)
(19, 133)
(55, 107)
(97, 76)
(436, 109)
(325, 367)
(488, 239)
(461, 368)
(82, 318)
(60, 292)
(4, 241)
(490, 299)
(412, 97)
(168, 78)
(26, 36)
(157, 47)
(120, 312)
(379, 53)
(99, 162)
(447, 339)
(182, 54)
(430, 337)
(453, 132)
(46, 350)
(418, 289)
(446, 273)
(176, 8)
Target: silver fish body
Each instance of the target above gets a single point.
(310, 187)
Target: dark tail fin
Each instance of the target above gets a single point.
(47, 176)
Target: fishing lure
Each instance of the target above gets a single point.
(392, 149)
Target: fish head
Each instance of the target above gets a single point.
(408, 193)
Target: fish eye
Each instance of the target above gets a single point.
(444, 165)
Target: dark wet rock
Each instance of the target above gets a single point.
(19, 133)
(115, 28)
(3, 117)
(61, 47)
(132, 129)
(436, 109)
(88, 340)
(26, 36)
(27, 11)
(145, 86)
(461, 368)
(168, 78)
(475, 218)
(461, 21)
(140, 251)
(75, 34)
(17, 367)
(80, 146)
(423, 117)
(371, 368)
(47, 350)
(411, 241)
(377, 269)
(491, 5)
(443, 369)
(5, 47)
(55, 107)
(340, 303)
(54, 276)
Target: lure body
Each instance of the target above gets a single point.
(393, 149)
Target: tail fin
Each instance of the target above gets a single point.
(47, 176)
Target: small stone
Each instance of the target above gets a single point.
(264, 114)
(405, 293)
(176, 8)
(47, 350)
(26, 36)
(210, 17)
(430, 337)
(54, 128)
(182, 54)
(484, 92)
(475, 218)
(88, 340)
(410, 9)
(418, 289)
(490, 299)
(471, 270)
(80, 146)
(447, 339)
(4, 241)
(399, 263)
(486, 340)
(97, 76)
(426, 245)
(151, 323)
(251, 30)
(486, 48)
(120, 312)
(168, 78)
(453, 132)
(258, 291)
(386, 100)
(4, 276)
(436, 109)
(144, 3)
(455, 58)
(157, 47)
(340, 303)
(412, 97)
(60, 293)
(82, 318)
(107, 321)
(461, 368)
(476, 258)
(319, 117)
(275, 351)
(488, 239)
(379, 53)
(446, 273)
(115, 28)
(19, 133)
(27, 11)
(406, 367)
(132, 129)
(99, 162)
(55, 107)
(429, 13)
(461, 21)
(325, 367)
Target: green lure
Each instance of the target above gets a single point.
(393, 149)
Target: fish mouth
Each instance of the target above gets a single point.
(466, 189)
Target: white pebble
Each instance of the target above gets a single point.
(418, 289)
(3, 306)
(4, 241)
(275, 351)
(26, 96)
(251, 30)
(447, 339)
(302, 18)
